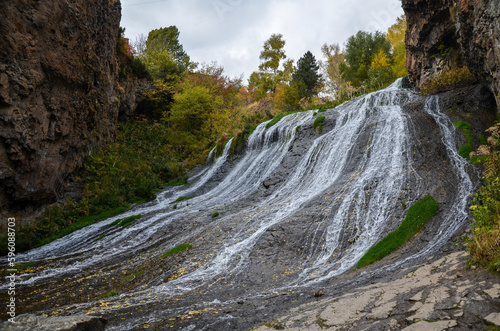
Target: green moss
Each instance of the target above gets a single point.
(465, 150)
(132, 276)
(178, 249)
(214, 215)
(179, 199)
(100, 237)
(125, 221)
(416, 218)
(109, 294)
(318, 123)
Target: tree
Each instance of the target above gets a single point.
(396, 36)
(164, 56)
(361, 50)
(307, 73)
(270, 75)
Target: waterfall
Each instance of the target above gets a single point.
(329, 197)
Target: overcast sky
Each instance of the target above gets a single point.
(232, 32)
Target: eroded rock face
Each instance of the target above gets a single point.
(59, 95)
(453, 33)
(480, 40)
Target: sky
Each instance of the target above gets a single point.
(233, 32)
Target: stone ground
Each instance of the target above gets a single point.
(443, 295)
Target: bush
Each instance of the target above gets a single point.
(416, 218)
(484, 246)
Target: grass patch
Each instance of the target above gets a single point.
(100, 237)
(125, 221)
(318, 124)
(109, 294)
(178, 249)
(132, 276)
(179, 199)
(416, 218)
(81, 223)
(214, 215)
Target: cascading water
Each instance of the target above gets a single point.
(298, 208)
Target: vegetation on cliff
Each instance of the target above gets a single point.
(484, 245)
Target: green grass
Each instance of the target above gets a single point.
(178, 249)
(467, 148)
(278, 117)
(109, 294)
(81, 223)
(100, 237)
(318, 123)
(132, 276)
(416, 218)
(179, 199)
(214, 215)
(125, 221)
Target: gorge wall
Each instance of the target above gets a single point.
(59, 94)
(451, 33)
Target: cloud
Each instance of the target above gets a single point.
(232, 32)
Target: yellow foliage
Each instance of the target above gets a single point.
(380, 60)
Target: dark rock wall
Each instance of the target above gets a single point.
(480, 40)
(469, 29)
(59, 95)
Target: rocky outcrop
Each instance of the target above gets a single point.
(59, 94)
(431, 32)
(444, 34)
(479, 23)
(31, 322)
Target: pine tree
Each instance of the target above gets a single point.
(307, 75)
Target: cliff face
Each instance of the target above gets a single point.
(447, 33)
(59, 95)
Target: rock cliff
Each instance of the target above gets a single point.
(59, 94)
(452, 33)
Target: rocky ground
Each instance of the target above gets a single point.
(443, 295)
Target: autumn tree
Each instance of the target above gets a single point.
(307, 72)
(396, 36)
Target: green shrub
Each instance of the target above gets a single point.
(318, 123)
(416, 218)
(132, 276)
(214, 215)
(177, 249)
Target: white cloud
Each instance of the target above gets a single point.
(232, 32)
